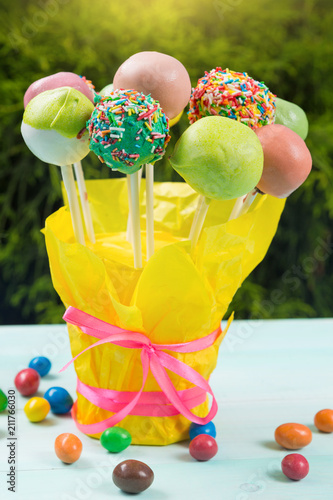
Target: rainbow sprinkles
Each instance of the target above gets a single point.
(128, 129)
(233, 95)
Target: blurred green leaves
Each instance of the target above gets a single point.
(288, 44)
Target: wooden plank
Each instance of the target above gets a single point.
(268, 373)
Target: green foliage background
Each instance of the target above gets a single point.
(288, 44)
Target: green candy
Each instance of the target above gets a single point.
(64, 110)
(292, 116)
(116, 439)
(219, 158)
(3, 401)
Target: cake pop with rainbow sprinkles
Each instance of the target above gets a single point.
(232, 95)
(128, 129)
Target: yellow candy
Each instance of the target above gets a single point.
(36, 409)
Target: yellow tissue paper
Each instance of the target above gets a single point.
(176, 297)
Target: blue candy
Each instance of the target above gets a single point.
(41, 364)
(196, 429)
(60, 400)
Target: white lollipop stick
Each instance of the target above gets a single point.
(197, 210)
(84, 201)
(236, 208)
(134, 208)
(150, 209)
(129, 224)
(243, 204)
(199, 219)
(68, 178)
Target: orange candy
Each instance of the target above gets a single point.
(293, 436)
(68, 447)
(324, 420)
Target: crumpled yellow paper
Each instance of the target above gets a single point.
(176, 297)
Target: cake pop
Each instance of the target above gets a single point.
(160, 75)
(220, 159)
(54, 123)
(234, 95)
(292, 116)
(175, 120)
(166, 80)
(53, 128)
(287, 164)
(85, 86)
(128, 129)
(61, 79)
(107, 90)
(287, 160)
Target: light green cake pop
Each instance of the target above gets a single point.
(219, 158)
(54, 125)
(292, 116)
(106, 90)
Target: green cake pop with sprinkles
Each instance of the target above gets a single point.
(128, 129)
(232, 95)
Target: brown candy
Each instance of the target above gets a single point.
(132, 476)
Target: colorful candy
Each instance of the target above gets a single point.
(61, 79)
(292, 116)
(3, 401)
(287, 160)
(27, 381)
(60, 400)
(160, 75)
(53, 126)
(232, 95)
(295, 466)
(41, 364)
(293, 436)
(219, 158)
(128, 129)
(116, 439)
(68, 447)
(324, 420)
(203, 447)
(36, 409)
(196, 429)
(132, 476)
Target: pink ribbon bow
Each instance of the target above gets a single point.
(153, 358)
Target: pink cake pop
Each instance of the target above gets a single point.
(168, 82)
(287, 160)
(61, 79)
(160, 75)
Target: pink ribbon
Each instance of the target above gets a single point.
(153, 358)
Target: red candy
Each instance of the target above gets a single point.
(295, 466)
(203, 447)
(27, 381)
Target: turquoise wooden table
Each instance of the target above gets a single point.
(269, 373)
